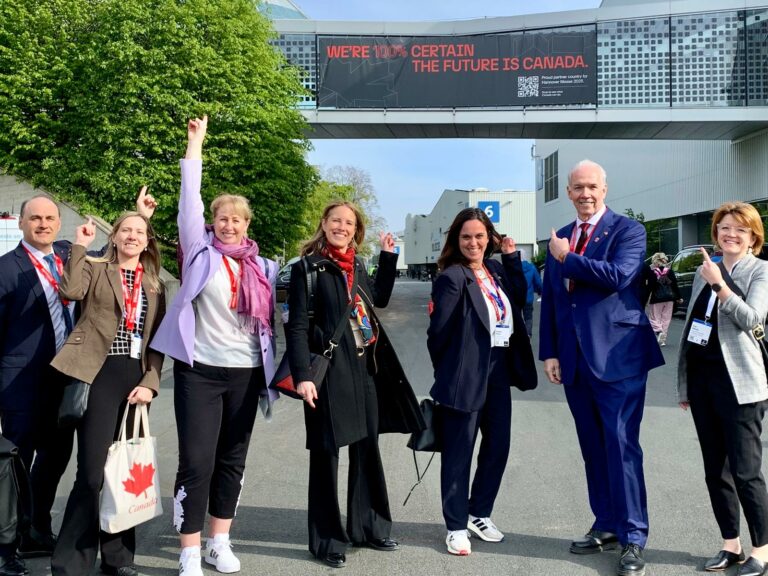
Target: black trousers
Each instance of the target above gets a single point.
(731, 447)
(368, 515)
(80, 536)
(459, 434)
(45, 448)
(215, 411)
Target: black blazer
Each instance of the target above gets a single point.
(27, 339)
(459, 331)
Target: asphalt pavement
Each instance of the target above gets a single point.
(542, 504)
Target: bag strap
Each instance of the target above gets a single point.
(333, 343)
(310, 276)
(419, 475)
(757, 330)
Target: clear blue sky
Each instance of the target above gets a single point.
(410, 175)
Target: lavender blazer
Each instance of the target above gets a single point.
(176, 334)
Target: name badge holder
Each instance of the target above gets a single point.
(701, 329)
(136, 346)
(501, 334)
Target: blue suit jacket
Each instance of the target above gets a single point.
(27, 339)
(459, 335)
(603, 316)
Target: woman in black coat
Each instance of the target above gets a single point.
(364, 392)
(479, 348)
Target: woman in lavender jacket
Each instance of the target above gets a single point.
(219, 332)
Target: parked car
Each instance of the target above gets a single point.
(284, 279)
(684, 265)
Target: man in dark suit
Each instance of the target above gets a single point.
(596, 340)
(34, 323)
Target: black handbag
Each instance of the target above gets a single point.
(283, 382)
(427, 440)
(15, 494)
(74, 402)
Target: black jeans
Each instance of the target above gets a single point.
(215, 411)
(80, 536)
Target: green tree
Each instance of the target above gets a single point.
(94, 97)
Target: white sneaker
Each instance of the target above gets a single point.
(189, 562)
(484, 529)
(218, 553)
(457, 542)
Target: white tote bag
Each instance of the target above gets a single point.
(131, 491)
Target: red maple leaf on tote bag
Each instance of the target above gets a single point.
(140, 480)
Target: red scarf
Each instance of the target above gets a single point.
(346, 261)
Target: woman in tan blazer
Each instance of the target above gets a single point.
(122, 304)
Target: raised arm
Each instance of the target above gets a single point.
(77, 272)
(191, 218)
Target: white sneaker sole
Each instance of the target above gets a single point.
(458, 552)
(212, 562)
(479, 533)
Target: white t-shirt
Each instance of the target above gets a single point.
(219, 339)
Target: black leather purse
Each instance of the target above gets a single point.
(74, 402)
(427, 440)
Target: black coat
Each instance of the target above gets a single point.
(345, 411)
(459, 337)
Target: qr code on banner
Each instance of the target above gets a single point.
(527, 86)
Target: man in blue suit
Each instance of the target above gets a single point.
(596, 340)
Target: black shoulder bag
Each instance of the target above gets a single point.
(318, 363)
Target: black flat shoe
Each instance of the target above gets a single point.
(335, 560)
(723, 561)
(752, 567)
(35, 544)
(593, 542)
(383, 544)
(121, 571)
(631, 561)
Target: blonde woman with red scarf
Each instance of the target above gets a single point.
(219, 332)
(364, 392)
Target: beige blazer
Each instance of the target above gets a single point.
(99, 287)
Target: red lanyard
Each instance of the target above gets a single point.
(574, 237)
(496, 299)
(233, 282)
(131, 299)
(47, 273)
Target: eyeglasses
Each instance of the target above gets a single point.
(733, 230)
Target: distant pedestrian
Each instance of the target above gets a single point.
(721, 376)
(364, 392)
(533, 282)
(479, 349)
(664, 295)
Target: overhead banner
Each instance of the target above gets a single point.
(531, 68)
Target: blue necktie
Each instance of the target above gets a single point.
(50, 260)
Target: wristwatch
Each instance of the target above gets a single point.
(716, 288)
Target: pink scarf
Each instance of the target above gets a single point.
(254, 299)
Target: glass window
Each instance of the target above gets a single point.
(551, 177)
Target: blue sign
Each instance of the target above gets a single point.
(491, 210)
(397, 249)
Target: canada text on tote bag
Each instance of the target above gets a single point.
(131, 491)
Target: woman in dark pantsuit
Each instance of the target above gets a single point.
(479, 348)
(721, 377)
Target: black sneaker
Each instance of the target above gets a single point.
(12, 566)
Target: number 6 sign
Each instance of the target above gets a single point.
(491, 210)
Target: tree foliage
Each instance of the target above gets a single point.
(95, 94)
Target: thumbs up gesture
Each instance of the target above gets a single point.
(85, 234)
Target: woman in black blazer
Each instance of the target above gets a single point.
(479, 348)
